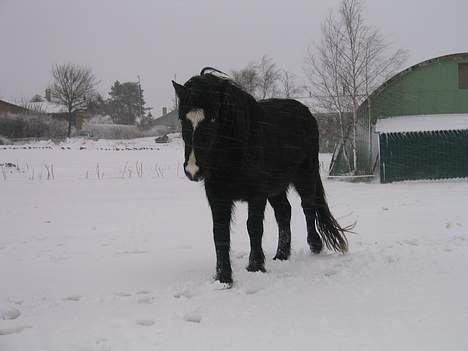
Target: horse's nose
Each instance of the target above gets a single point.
(191, 168)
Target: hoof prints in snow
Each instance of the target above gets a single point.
(72, 298)
(145, 322)
(9, 312)
(145, 300)
(134, 252)
(330, 273)
(252, 290)
(411, 242)
(14, 330)
(193, 316)
(143, 292)
(183, 293)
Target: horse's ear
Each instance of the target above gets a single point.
(181, 91)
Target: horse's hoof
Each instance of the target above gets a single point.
(282, 256)
(224, 277)
(256, 267)
(316, 248)
(222, 286)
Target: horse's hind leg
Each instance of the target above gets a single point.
(255, 229)
(305, 184)
(282, 210)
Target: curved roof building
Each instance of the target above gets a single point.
(414, 126)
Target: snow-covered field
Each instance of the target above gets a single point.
(110, 248)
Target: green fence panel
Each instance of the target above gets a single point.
(424, 155)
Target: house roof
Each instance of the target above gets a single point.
(46, 107)
(400, 75)
(168, 119)
(43, 106)
(422, 123)
(11, 104)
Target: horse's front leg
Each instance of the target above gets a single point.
(221, 212)
(255, 229)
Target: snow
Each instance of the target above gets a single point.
(109, 258)
(422, 123)
(46, 107)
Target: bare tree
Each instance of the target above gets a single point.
(349, 63)
(72, 87)
(247, 78)
(288, 87)
(268, 77)
(260, 79)
(324, 71)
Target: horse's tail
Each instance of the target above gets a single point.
(331, 233)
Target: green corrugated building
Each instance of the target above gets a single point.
(415, 126)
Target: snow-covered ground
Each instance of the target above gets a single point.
(110, 248)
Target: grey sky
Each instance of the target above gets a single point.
(156, 39)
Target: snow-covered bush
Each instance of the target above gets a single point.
(4, 141)
(100, 119)
(31, 126)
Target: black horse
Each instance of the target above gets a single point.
(253, 151)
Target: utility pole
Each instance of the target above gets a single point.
(175, 94)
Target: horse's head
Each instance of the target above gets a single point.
(199, 106)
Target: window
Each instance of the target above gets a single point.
(463, 75)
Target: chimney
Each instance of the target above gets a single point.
(164, 111)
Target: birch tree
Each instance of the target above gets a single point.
(288, 87)
(348, 64)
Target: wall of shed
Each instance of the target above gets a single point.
(6, 107)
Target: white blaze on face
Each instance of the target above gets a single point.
(194, 116)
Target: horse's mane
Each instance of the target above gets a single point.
(211, 70)
(216, 80)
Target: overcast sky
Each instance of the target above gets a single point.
(157, 39)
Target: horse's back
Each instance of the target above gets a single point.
(290, 123)
(284, 105)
